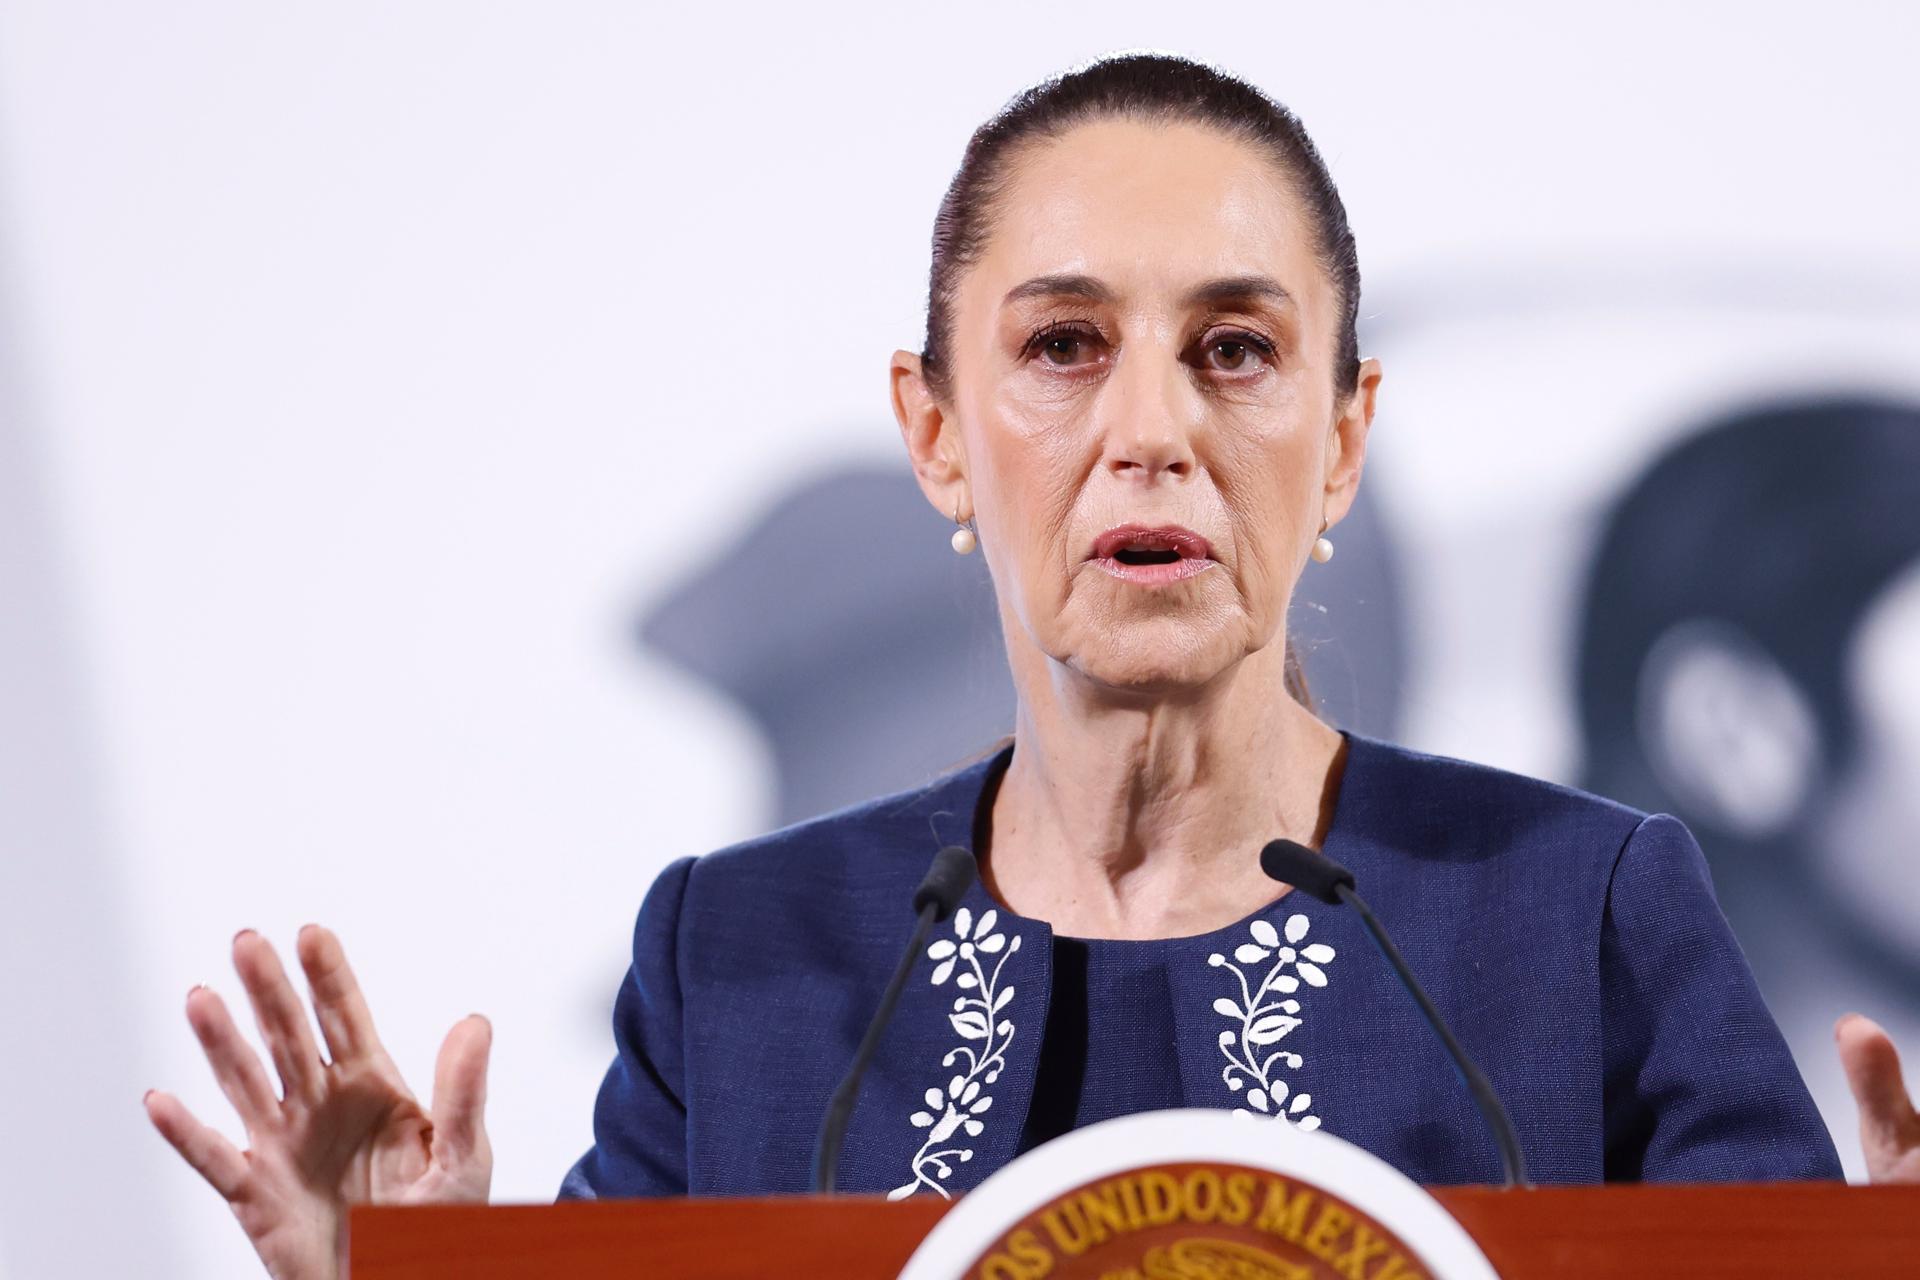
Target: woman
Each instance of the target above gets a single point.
(1140, 392)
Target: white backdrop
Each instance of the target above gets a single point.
(366, 367)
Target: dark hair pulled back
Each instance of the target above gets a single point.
(1156, 87)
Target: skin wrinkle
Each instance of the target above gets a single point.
(1157, 745)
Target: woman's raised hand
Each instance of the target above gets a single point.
(342, 1130)
(1889, 1125)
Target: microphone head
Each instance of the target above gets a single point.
(1291, 862)
(947, 881)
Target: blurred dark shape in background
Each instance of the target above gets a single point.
(1717, 679)
(871, 655)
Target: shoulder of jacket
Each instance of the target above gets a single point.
(1447, 793)
(868, 839)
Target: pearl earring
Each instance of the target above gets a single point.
(1322, 546)
(964, 540)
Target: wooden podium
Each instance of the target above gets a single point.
(1697, 1232)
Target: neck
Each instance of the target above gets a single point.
(1129, 816)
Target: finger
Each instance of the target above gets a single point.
(345, 1020)
(280, 1015)
(460, 1091)
(212, 1156)
(1873, 1073)
(235, 1065)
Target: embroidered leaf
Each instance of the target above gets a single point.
(1226, 1037)
(946, 1171)
(1286, 984)
(985, 926)
(1006, 1029)
(920, 1119)
(942, 971)
(972, 1024)
(962, 922)
(980, 1105)
(935, 1099)
(1297, 928)
(1263, 933)
(971, 1092)
(1226, 1008)
(974, 1128)
(968, 980)
(955, 1085)
(1312, 973)
(1309, 1123)
(1291, 1006)
(941, 949)
(1247, 953)
(1257, 1097)
(901, 1193)
(993, 1075)
(1216, 959)
(1319, 953)
(993, 942)
(1293, 1061)
(1000, 1001)
(966, 1155)
(1277, 1092)
(1301, 1101)
(1014, 945)
(1233, 1081)
(1270, 1028)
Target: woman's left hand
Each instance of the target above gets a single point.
(1889, 1126)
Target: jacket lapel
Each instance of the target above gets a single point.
(946, 1099)
(1246, 1006)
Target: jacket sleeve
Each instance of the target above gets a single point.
(640, 1118)
(1699, 1085)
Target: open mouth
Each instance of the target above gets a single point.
(1151, 554)
(1146, 555)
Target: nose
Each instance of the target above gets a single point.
(1148, 417)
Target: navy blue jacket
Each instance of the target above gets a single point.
(1573, 943)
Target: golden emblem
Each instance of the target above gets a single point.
(1199, 1258)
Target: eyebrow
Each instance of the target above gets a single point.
(1210, 293)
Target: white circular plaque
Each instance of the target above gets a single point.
(1198, 1193)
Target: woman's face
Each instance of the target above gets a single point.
(1143, 418)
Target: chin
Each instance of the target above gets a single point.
(1157, 657)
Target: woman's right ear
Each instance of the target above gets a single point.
(931, 435)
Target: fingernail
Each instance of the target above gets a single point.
(147, 1096)
(243, 933)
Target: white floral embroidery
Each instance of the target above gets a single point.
(1266, 1014)
(977, 1018)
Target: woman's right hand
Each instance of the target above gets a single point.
(341, 1131)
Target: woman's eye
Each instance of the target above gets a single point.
(1238, 352)
(1061, 348)
(1064, 348)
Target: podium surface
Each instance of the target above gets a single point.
(1699, 1232)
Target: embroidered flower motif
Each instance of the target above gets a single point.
(953, 1112)
(1267, 1014)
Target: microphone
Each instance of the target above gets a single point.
(1293, 863)
(947, 880)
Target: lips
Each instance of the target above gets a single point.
(1151, 555)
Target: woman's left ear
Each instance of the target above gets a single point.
(1347, 447)
(931, 436)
